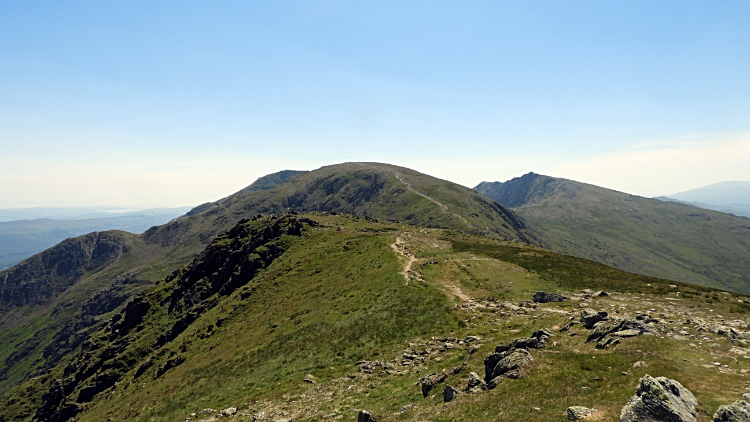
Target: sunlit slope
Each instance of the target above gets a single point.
(219, 334)
(37, 335)
(647, 236)
(380, 191)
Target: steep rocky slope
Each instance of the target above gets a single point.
(647, 236)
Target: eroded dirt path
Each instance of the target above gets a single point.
(401, 252)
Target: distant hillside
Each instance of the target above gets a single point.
(731, 197)
(647, 236)
(28, 236)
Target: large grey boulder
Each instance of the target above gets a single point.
(739, 411)
(501, 363)
(660, 399)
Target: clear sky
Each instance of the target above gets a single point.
(168, 103)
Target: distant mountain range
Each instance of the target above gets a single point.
(26, 231)
(671, 240)
(730, 197)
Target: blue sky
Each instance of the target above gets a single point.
(129, 103)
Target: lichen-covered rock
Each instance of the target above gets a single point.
(589, 317)
(475, 384)
(579, 412)
(500, 363)
(660, 399)
(739, 411)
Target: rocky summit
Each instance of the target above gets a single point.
(359, 292)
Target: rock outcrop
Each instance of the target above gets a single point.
(612, 331)
(37, 280)
(543, 297)
(590, 317)
(660, 399)
(502, 364)
(739, 411)
(229, 262)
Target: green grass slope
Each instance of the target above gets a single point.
(37, 336)
(325, 293)
(646, 236)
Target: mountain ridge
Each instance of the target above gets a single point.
(377, 190)
(643, 235)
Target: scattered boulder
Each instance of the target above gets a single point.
(612, 326)
(430, 381)
(475, 384)
(500, 363)
(365, 416)
(537, 340)
(579, 412)
(739, 411)
(543, 297)
(660, 399)
(229, 411)
(449, 393)
(590, 317)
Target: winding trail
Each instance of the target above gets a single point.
(442, 206)
(403, 253)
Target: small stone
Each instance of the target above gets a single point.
(579, 412)
(229, 411)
